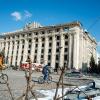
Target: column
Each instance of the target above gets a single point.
(25, 54)
(14, 53)
(84, 43)
(87, 52)
(53, 51)
(81, 50)
(46, 50)
(32, 49)
(70, 51)
(61, 61)
(2, 45)
(19, 53)
(10, 52)
(39, 50)
(76, 51)
(6, 51)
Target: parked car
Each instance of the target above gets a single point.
(34, 66)
(74, 74)
(37, 66)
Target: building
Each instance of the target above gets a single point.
(55, 45)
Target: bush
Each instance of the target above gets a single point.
(93, 67)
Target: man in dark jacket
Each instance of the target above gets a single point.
(45, 72)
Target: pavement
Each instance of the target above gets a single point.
(17, 83)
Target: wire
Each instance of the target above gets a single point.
(97, 20)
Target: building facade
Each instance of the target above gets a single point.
(55, 45)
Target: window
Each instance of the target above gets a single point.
(43, 39)
(41, 56)
(18, 42)
(22, 51)
(57, 43)
(36, 33)
(50, 44)
(49, 31)
(13, 37)
(66, 36)
(21, 58)
(66, 28)
(42, 51)
(36, 40)
(42, 44)
(49, 50)
(23, 35)
(57, 57)
(58, 37)
(17, 46)
(4, 38)
(29, 46)
(29, 51)
(17, 36)
(35, 58)
(65, 57)
(49, 57)
(66, 49)
(57, 50)
(66, 42)
(12, 42)
(36, 45)
(48, 64)
(16, 57)
(23, 41)
(22, 46)
(35, 51)
(30, 40)
(42, 32)
(57, 30)
(29, 34)
(17, 51)
(50, 38)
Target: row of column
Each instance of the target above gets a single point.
(53, 55)
(18, 53)
(74, 50)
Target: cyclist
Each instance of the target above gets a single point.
(1, 62)
(45, 72)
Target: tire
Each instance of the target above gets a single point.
(3, 79)
(49, 79)
(40, 80)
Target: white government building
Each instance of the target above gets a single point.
(54, 45)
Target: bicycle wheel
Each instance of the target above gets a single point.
(40, 80)
(49, 79)
(3, 78)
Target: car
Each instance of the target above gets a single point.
(37, 66)
(76, 74)
(34, 66)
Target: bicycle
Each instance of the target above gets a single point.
(3, 78)
(41, 79)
